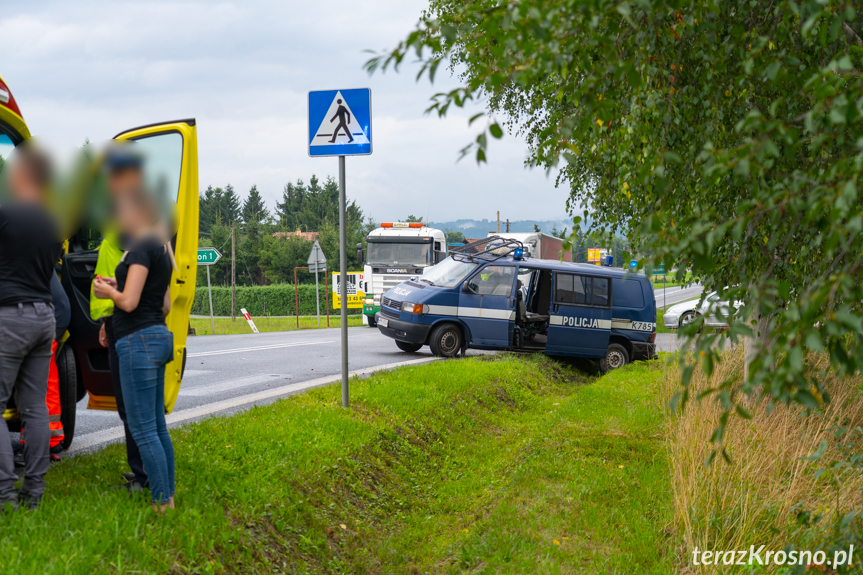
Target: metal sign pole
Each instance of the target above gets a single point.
(317, 297)
(210, 292)
(343, 267)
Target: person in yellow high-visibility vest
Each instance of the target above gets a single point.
(125, 172)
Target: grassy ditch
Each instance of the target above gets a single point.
(501, 464)
(226, 326)
(757, 497)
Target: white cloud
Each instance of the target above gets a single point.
(243, 69)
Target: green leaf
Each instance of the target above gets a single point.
(673, 157)
(495, 130)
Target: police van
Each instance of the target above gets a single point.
(487, 295)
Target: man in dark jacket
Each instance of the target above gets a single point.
(29, 246)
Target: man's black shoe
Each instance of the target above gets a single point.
(29, 500)
(9, 498)
(129, 476)
(57, 449)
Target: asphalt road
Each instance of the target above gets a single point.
(675, 295)
(225, 373)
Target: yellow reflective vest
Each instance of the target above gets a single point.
(110, 255)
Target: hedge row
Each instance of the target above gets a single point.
(276, 299)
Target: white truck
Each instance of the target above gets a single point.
(396, 252)
(538, 245)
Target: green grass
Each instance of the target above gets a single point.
(496, 464)
(670, 280)
(224, 326)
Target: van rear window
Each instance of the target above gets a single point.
(627, 293)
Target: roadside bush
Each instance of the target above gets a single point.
(277, 299)
(772, 492)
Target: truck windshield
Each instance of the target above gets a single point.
(448, 273)
(393, 254)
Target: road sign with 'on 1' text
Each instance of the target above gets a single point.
(208, 256)
(340, 122)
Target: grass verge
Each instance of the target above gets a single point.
(495, 464)
(755, 498)
(225, 326)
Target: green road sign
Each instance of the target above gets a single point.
(660, 269)
(208, 256)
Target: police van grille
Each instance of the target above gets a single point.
(389, 314)
(391, 303)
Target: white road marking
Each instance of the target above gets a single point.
(96, 438)
(230, 385)
(256, 348)
(193, 372)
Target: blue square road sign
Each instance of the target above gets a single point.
(340, 122)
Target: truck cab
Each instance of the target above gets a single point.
(171, 152)
(488, 295)
(396, 252)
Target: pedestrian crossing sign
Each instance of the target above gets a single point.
(340, 122)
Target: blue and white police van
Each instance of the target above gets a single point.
(487, 295)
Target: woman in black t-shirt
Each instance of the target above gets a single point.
(141, 297)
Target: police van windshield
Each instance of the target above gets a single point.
(398, 254)
(448, 273)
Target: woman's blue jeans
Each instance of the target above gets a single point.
(143, 355)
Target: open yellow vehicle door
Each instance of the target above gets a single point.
(171, 149)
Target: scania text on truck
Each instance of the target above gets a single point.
(396, 252)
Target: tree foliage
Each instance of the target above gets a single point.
(308, 208)
(267, 248)
(723, 135)
(254, 208)
(218, 207)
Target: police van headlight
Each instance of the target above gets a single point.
(377, 300)
(408, 307)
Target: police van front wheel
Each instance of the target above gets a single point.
(445, 340)
(615, 356)
(409, 347)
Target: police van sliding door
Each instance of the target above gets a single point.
(580, 315)
(487, 306)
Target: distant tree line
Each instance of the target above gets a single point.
(267, 244)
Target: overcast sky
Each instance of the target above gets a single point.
(92, 68)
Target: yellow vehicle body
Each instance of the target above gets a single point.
(183, 279)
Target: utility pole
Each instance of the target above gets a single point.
(498, 221)
(233, 274)
(507, 225)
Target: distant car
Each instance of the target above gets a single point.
(686, 312)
